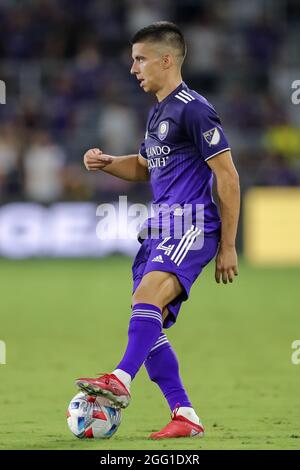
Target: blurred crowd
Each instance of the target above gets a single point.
(66, 68)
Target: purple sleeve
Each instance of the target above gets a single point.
(203, 127)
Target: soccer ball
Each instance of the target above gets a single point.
(90, 417)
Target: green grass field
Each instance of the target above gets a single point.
(64, 319)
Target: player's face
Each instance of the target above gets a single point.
(147, 66)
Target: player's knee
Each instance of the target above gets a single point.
(148, 292)
(156, 289)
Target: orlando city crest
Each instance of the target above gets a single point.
(212, 136)
(163, 130)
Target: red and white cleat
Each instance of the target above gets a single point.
(108, 386)
(179, 427)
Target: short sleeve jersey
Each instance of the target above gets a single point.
(184, 132)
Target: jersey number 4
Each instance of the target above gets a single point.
(166, 248)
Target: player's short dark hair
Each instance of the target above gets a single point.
(162, 31)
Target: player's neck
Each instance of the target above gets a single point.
(168, 88)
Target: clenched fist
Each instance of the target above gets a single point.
(95, 159)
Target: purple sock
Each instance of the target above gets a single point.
(144, 328)
(163, 369)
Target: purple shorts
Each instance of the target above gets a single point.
(168, 255)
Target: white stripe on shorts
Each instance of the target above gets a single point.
(186, 243)
(182, 242)
(191, 241)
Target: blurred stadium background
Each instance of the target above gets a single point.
(66, 68)
(66, 65)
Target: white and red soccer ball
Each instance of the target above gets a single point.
(89, 417)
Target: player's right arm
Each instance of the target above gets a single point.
(128, 167)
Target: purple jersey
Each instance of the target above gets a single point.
(183, 132)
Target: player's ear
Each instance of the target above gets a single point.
(167, 61)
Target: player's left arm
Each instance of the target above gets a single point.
(229, 196)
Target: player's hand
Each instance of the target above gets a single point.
(226, 264)
(95, 159)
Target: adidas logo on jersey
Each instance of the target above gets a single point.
(158, 259)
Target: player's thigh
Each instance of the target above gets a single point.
(158, 288)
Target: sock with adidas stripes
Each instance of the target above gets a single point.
(144, 329)
(163, 369)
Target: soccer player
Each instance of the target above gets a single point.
(184, 146)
